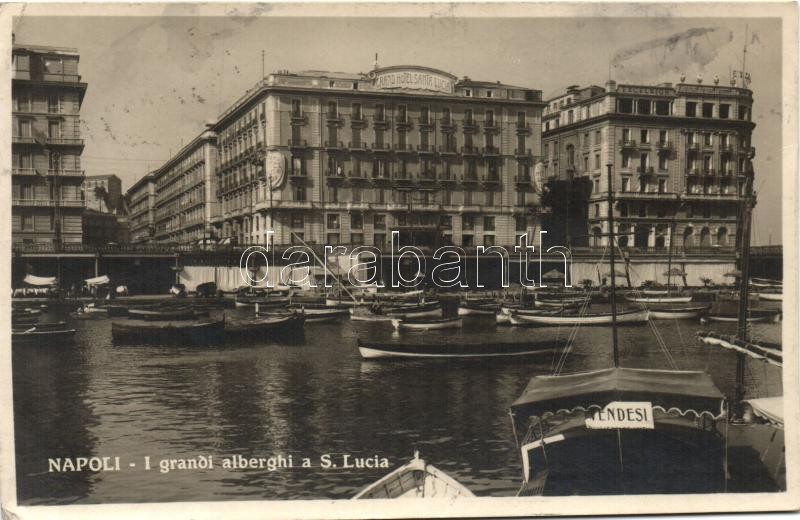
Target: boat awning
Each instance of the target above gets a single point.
(769, 353)
(667, 390)
(99, 280)
(40, 280)
(769, 408)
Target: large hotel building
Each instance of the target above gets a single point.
(339, 158)
(47, 199)
(679, 155)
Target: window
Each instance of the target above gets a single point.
(520, 223)
(708, 109)
(625, 105)
(27, 222)
(597, 161)
(662, 185)
(724, 111)
(706, 163)
(55, 161)
(597, 137)
(643, 106)
(585, 163)
(468, 222)
(521, 120)
(489, 93)
(570, 117)
(468, 92)
(356, 221)
(380, 113)
(468, 117)
(356, 112)
(488, 223)
(597, 210)
(663, 136)
(691, 109)
(379, 221)
(24, 128)
(424, 115)
(53, 65)
(298, 221)
(333, 110)
(53, 104)
(626, 160)
(445, 116)
(357, 239)
(489, 118)
(662, 162)
(706, 211)
(662, 108)
(626, 134)
(355, 85)
(626, 184)
(54, 129)
(743, 113)
(644, 136)
(333, 221)
(642, 210)
(401, 114)
(707, 139)
(596, 186)
(333, 239)
(468, 197)
(488, 240)
(623, 209)
(379, 239)
(356, 194)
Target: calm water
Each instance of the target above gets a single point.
(305, 400)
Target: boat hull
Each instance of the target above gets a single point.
(401, 324)
(264, 328)
(481, 310)
(678, 312)
(415, 480)
(456, 351)
(43, 337)
(771, 297)
(178, 331)
(660, 299)
(629, 317)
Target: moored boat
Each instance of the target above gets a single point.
(659, 299)
(433, 308)
(459, 350)
(417, 479)
(363, 314)
(165, 314)
(52, 334)
(753, 316)
(478, 309)
(677, 311)
(426, 323)
(262, 327)
(316, 314)
(247, 300)
(175, 331)
(595, 318)
(771, 296)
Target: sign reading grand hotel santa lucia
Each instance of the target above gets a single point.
(417, 78)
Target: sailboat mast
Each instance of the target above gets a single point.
(611, 243)
(744, 268)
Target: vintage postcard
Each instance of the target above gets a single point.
(349, 260)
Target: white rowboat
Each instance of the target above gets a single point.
(417, 479)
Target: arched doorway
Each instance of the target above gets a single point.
(622, 241)
(622, 235)
(596, 236)
(640, 236)
(705, 237)
(722, 236)
(661, 236)
(688, 237)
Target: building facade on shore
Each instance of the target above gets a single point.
(678, 154)
(140, 201)
(103, 193)
(47, 179)
(339, 158)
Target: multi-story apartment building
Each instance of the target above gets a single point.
(351, 157)
(678, 155)
(47, 195)
(185, 204)
(103, 193)
(140, 200)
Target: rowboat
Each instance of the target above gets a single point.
(52, 334)
(561, 302)
(244, 301)
(361, 314)
(457, 350)
(478, 309)
(765, 282)
(336, 302)
(770, 352)
(262, 327)
(417, 479)
(754, 316)
(176, 331)
(677, 311)
(501, 318)
(316, 314)
(598, 318)
(772, 297)
(164, 314)
(426, 323)
(408, 295)
(433, 308)
(659, 299)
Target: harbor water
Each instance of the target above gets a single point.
(304, 399)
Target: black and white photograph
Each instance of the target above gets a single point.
(296, 260)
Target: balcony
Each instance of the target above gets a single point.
(357, 176)
(693, 147)
(645, 145)
(332, 119)
(334, 177)
(333, 146)
(66, 173)
(490, 181)
(645, 170)
(298, 176)
(645, 195)
(704, 195)
(380, 122)
(523, 128)
(298, 118)
(64, 141)
(447, 178)
(357, 146)
(447, 150)
(491, 126)
(470, 126)
(523, 180)
(403, 124)
(426, 149)
(19, 139)
(25, 171)
(64, 203)
(381, 147)
(403, 180)
(693, 172)
(447, 124)
(523, 153)
(358, 121)
(709, 172)
(469, 178)
(627, 144)
(298, 144)
(403, 148)
(427, 177)
(380, 179)
(470, 150)
(425, 123)
(491, 151)
(726, 148)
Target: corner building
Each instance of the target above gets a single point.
(678, 154)
(351, 157)
(47, 197)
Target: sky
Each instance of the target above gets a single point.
(154, 81)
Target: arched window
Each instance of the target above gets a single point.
(722, 236)
(688, 237)
(705, 237)
(596, 236)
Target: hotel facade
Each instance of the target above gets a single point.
(679, 156)
(332, 158)
(47, 198)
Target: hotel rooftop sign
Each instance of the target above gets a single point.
(414, 78)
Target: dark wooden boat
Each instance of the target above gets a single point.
(433, 308)
(478, 309)
(426, 323)
(315, 313)
(264, 326)
(165, 314)
(52, 334)
(753, 316)
(417, 479)
(175, 331)
(460, 350)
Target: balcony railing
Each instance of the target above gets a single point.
(358, 120)
(357, 146)
(665, 145)
(334, 145)
(427, 176)
(522, 179)
(524, 152)
(334, 175)
(426, 148)
(523, 128)
(65, 141)
(333, 119)
(709, 171)
(23, 139)
(470, 125)
(66, 173)
(357, 175)
(693, 147)
(645, 170)
(469, 178)
(627, 143)
(491, 179)
(24, 171)
(298, 118)
(425, 122)
(447, 177)
(403, 148)
(470, 150)
(381, 147)
(447, 150)
(298, 143)
(70, 203)
(491, 150)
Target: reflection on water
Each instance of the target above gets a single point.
(304, 400)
